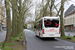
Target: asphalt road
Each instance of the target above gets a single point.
(2, 36)
(35, 43)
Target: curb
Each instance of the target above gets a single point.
(24, 43)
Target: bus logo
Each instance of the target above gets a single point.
(56, 24)
(48, 23)
(51, 30)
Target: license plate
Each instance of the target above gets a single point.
(51, 34)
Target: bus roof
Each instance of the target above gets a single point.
(50, 17)
(47, 17)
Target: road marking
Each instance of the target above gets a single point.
(65, 47)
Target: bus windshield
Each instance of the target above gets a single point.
(51, 22)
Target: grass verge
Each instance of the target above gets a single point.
(65, 38)
(14, 45)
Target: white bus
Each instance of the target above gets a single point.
(48, 27)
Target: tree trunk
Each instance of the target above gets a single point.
(19, 18)
(14, 18)
(51, 7)
(8, 20)
(61, 18)
(45, 8)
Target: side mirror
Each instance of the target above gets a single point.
(34, 26)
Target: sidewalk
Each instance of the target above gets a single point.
(71, 33)
(2, 36)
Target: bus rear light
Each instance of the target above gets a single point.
(43, 31)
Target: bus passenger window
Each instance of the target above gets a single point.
(51, 23)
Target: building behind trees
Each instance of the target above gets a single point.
(2, 17)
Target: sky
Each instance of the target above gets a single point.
(68, 3)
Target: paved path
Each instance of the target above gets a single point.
(35, 43)
(2, 36)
